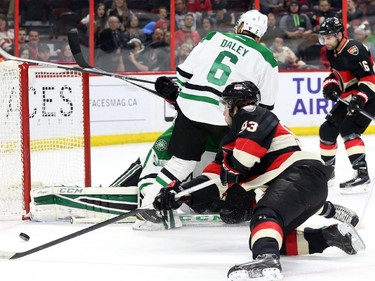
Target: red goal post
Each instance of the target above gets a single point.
(44, 132)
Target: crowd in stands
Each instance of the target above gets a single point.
(135, 35)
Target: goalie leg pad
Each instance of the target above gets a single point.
(62, 203)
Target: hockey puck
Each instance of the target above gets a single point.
(24, 236)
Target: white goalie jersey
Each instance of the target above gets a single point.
(218, 60)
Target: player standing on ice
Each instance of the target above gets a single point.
(353, 79)
(259, 152)
(218, 60)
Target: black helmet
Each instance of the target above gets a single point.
(331, 26)
(240, 94)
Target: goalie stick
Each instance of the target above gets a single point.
(16, 255)
(127, 79)
(186, 219)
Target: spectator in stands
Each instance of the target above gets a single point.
(24, 52)
(186, 34)
(324, 11)
(167, 37)
(273, 31)
(120, 9)
(163, 21)
(6, 35)
(353, 12)
(297, 25)
(44, 53)
(65, 54)
(134, 31)
(269, 6)
(100, 20)
(360, 34)
(135, 59)
(206, 27)
(220, 12)
(110, 42)
(22, 37)
(182, 53)
(180, 13)
(157, 53)
(33, 44)
(200, 8)
(284, 56)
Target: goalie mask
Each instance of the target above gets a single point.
(240, 94)
(252, 21)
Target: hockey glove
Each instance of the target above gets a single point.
(355, 105)
(228, 175)
(331, 89)
(168, 89)
(166, 200)
(237, 206)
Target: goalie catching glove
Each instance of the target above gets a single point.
(331, 89)
(166, 199)
(167, 88)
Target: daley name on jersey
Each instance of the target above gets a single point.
(234, 46)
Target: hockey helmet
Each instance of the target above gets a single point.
(331, 26)
(240, 94)
(252, 21)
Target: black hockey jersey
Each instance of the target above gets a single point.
(259, 147)
(353, 67)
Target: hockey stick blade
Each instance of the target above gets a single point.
(73, 39)
(16, 255)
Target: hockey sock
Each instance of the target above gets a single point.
(328, 210)
(315, 240)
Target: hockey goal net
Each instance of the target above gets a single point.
(44, 132)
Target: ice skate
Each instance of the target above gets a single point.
(264, 267)
(345, 237)
(345, 215)
(358, 184)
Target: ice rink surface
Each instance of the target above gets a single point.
(203, 253)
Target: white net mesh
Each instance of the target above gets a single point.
(56, 132)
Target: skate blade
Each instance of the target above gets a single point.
(357, 242)
(269, 274)
(355, 189)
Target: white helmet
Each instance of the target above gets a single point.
(254, 22)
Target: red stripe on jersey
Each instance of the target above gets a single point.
(351, 143)
(213, 168)
(281, 130)
(279, 161)
(267, 225)
(291, 245)
(346, 76)
(369, 78)
(328, 146)
(250, 147)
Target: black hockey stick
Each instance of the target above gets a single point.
(75, 47)
(7, 56)
(16, 255)
(364, 113)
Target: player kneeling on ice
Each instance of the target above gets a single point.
(259, 152)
